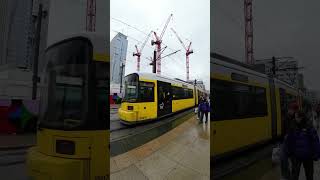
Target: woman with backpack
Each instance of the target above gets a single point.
(303, 146)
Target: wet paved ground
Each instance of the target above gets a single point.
(16, 141)
(114, 118)
(182, 153)
(13, 150)
(264, 170)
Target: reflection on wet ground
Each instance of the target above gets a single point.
(263, 169)
(253, 172)
(182, 153)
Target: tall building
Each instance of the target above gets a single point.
(118, 53)
(44, 29)
(17, 27)
(15, 32)
(285, 71)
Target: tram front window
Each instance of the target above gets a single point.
(131, 88)
(65, 94)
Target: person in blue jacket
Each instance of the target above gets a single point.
(303, 146)
(204, 109)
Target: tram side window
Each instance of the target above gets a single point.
(190, 93)
(259, 102)
(177, 92)
(146, 92)
(187, 93)
(181, 93)
(237, 101)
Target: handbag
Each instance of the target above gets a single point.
(276, 155)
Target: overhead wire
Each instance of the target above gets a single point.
(129, 36)
(174, 61)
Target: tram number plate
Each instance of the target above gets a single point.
(101, 177)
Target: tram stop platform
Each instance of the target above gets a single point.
(14, 141)
(181, 153)
(275, 173)
(256, 165)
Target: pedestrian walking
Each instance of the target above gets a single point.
(317, 115)
(303, 146)
(204, 109)
(284, 159)
(199, 102)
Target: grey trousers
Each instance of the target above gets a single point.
(285, 170)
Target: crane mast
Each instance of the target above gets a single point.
(158, 42)
(188, 52)
(138, 51)
(91, 16)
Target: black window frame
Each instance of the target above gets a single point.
(94, 111)
(143, 98)
(179, 93)
(235, 100)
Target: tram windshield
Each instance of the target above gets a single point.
(71, 91)
(131, 88)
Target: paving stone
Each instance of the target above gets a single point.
(129, 173)
(180, 172)
(156, 166)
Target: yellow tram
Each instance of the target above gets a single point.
(149, 96)
(248, 108)
(73, 132)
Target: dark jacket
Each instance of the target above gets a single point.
(204, 106)
(289, 123)
(303, 142)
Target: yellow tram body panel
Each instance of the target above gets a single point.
(181, 104)
(234, 134)
(140, 111)
(90, 160)
(132, 112)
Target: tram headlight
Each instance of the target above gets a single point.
(65, 147)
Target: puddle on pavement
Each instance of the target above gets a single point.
(204, 131)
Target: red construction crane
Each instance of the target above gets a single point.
(138, 52)
(188, 51)
(91, 15)
(248, 31)
(158, 42)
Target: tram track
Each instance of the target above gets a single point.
(124, 138)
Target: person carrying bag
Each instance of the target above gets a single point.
(303, 147)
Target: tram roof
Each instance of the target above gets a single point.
(154, 76)
(98, 40)
(247, 68)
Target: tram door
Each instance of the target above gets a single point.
(273, 109)
(164, 98)
(283, 105)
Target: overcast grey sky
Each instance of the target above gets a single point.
(69, 16)
(191, 21)
(281, 28)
